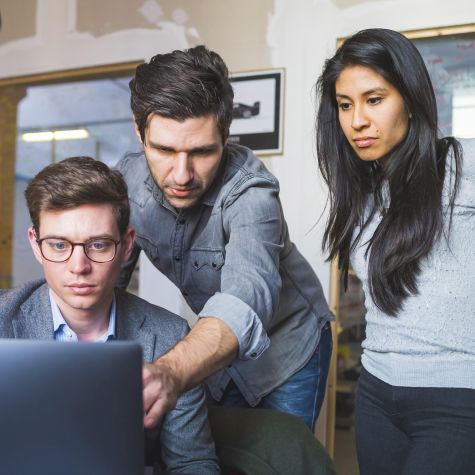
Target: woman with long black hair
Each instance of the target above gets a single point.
(402, 213)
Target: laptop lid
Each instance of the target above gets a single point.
(72, 408)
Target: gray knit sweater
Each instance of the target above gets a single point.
(431, 343)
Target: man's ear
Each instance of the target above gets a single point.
(128, 242)
(34, 245)
(137, 132)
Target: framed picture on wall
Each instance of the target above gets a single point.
(258, 111)
(449, 55)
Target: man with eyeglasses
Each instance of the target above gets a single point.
(80, 235)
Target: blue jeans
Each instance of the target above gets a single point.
(302, 394)
(409, 431)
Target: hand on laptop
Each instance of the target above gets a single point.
(161, 389)
(209, 346)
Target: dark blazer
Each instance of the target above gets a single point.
(184, 438)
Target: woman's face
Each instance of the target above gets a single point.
(371, 112)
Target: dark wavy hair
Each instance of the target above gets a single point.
(182, 85)
(413, 172)
(77, 181)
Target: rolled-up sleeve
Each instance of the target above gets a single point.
(242, 320)
(250, 279)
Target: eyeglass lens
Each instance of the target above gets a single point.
(60, 250)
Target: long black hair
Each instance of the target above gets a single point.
(413, 173)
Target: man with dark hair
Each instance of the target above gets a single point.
(80, 236)
(208, 216)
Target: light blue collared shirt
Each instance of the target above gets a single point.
(62, 331)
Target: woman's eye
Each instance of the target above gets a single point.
(374, 100)
(344, 105)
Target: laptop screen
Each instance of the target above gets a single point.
(72, 408)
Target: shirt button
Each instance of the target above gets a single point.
(253, 355)
(177, 258)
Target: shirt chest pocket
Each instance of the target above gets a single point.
(206, 269)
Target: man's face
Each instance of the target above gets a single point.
(80, 286)
(183, 157)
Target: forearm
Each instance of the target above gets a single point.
(209, 346)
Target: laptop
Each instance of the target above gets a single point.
(71, 408)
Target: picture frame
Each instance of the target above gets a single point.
(258, 111)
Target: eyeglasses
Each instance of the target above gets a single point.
(99, 250)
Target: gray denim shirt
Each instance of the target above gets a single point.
(231, 257)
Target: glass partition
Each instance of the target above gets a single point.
(450, 60)
(55, 121)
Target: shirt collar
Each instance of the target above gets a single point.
(58, 319)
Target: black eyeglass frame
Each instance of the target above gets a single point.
(82, 244)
